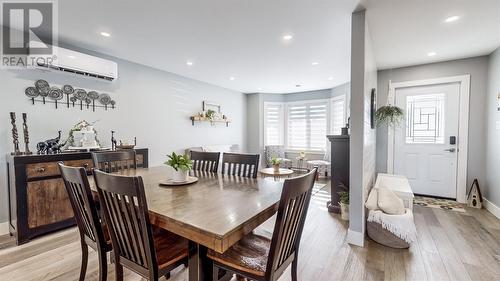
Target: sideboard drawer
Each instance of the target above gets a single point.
(40, 170)
(48, 169)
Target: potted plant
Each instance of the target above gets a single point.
(344, 205)
(181, 165)
(276, 164)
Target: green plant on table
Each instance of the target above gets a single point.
(179, 162)
(210, 113)
(275, 161)
(344, 197)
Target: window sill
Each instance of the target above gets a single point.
(313, 152)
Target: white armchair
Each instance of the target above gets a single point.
(323, 165)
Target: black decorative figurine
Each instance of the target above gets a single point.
(51, 146)
(15, 135)
(113, 141)
(26, 135)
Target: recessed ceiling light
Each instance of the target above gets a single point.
(287, 37)
(189, 63)
(315, 63)
(231, 78)
(452, 19)
(105, 34)
(431, 54)
(330, 78)
(71, 57)
(259, 89)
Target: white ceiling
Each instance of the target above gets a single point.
(405, 31)
(223, 39)
(244, 38)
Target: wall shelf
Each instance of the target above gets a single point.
(212, 122)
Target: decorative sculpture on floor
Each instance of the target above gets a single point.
(15, 135)
(475, 199)
(26, 135)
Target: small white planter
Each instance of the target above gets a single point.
(344, 211)
(180, 176)
(276, 168)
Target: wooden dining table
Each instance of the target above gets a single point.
(213, 213)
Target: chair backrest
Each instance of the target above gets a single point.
(115, 161)
(243, 165)
(205, 161)
(126, 212)
(292, 212)
(84, 207)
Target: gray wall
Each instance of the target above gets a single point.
(363, 138)
(478, 69)
(152, 105)
(491, 190)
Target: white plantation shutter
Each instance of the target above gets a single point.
(307, 126)
(273, 123)
(338, 114)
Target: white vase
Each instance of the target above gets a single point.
(180, 176)
(344, 211)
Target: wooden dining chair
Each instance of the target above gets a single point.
(92, 232)
(243, 165)
(115, 161)
(258, 258)
(205, 161)
(149, 252)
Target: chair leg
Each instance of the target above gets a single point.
(118, 271)
(215, 273)
(85, 259)
(103, 266)
(294, 269)
(167, 275)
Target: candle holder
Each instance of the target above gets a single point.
(26, 135)
(15, 135)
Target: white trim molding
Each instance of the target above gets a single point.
(492, 208)
(355, 238)
(4, 228)
(463, 130)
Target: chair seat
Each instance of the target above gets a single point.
(170, 248)
(248, 255)
(318, 162)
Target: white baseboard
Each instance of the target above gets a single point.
(492, 208)
(355, 238)
(4, 228)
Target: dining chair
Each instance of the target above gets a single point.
(243, 165)
(256, 257)
(115, 161)
(92, 231)
(149, 252)
(205, 161)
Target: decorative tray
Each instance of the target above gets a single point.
(171, 182)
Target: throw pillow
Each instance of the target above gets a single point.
(389, 202)
(372, 201)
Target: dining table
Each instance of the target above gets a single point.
(213, 213)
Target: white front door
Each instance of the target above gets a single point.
(425, 148)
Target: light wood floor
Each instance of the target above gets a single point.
(451, 246)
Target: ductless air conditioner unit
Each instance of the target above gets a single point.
(78, 63)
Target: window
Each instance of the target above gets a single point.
(425, 119)
(337, 114)
(306, 125)
(273, 123)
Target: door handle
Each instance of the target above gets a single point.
(450, 150)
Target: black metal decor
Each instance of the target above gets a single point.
(373, 107)
(26, 135)
(113, 141)
(86, 99)
(15, 135)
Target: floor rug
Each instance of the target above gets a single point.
(443, 204)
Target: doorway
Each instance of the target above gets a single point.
(430, 146)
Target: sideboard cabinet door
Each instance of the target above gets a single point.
(48, 202)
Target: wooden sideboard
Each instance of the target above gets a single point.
(38, 202)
